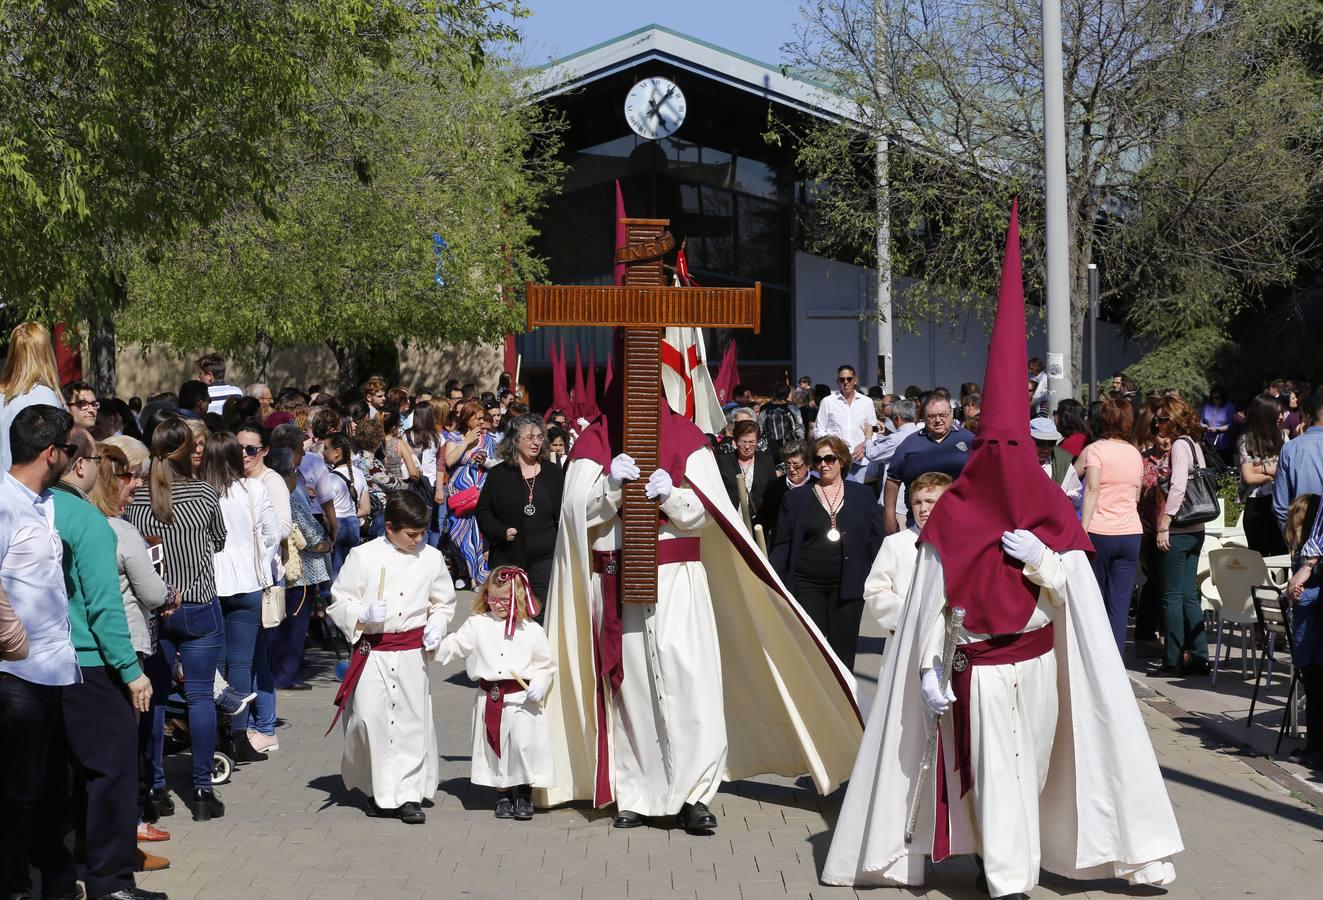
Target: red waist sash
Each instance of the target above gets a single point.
(491, 714)
(607, 564)
(390, 640)
(1000, 650)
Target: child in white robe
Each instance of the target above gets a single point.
(508, 654)
(393, 599)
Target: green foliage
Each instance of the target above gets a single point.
(1228, 491)
(344, 252)
(1183, 362)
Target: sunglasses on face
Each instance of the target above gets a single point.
(829, 458)
(69, 449)
(127, 476)
(87, 404)
(846, 379)
(249, 450)
(1161, 420)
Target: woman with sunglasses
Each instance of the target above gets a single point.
(1186, 651)
(826, 539)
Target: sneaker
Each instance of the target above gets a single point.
(231, 702)
(263, 743)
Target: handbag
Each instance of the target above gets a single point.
(1200, 502)
(273, 597)
(463, 503)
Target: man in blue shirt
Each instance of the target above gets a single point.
(30, 689)
(938, 448)
(1300, 464)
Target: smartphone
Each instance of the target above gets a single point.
(157, 554)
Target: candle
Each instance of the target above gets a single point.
(381, 587)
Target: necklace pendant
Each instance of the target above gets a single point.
(530, 510)
(833, 535)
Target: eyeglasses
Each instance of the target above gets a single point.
(846, 379)
(128, 476)
(91, 458)
(87, 404)
(250, 450)
(795, 466)
(1161, 420)
(829, 458)
(69, 449)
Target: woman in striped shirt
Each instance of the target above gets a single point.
(185, 514)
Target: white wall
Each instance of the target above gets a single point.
(830, 295)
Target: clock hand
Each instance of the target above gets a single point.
(655, 106)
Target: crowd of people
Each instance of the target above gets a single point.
(197, 537)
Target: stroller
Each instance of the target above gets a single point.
(177, 738)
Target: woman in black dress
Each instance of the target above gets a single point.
(826, 539)
(519, 507)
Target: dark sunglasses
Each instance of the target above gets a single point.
(846, 379)
(249, 450)
(1161, 420)
(830, 459)
(69, 449)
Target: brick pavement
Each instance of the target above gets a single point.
(291, 832)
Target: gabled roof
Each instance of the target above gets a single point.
(656, 43)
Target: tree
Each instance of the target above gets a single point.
(123, 123)
(347, 252)
(1191, 149)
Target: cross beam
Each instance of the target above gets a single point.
(643, 306)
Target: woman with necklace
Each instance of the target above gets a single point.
(519, 507)
(826, 540)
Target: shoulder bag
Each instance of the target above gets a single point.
(273, 597)
(1200, 503)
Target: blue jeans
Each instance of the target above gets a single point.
(262, 712)
(346, 539)
(287, 642)
(1114, 565)
(151, 727)
(243, 622)
(196, 634)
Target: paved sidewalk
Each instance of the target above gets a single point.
(292, 832)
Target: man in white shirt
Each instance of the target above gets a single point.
(211, 372)
(850, 416)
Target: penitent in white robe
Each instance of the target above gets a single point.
(1097, 808)
(390, 738)
(668, 722)
(488, 654)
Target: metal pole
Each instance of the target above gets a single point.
(1093, 331)
(885, 375)
(1059, 371)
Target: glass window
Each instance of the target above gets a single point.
(756, 177)
(705, 221)
(764, 241)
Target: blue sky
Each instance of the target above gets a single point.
(754, 28)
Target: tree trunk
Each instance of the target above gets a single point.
(101, 355)
(346, 358)
(262, 351)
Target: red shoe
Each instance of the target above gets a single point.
(148, 833)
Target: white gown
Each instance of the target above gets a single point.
(390, 738)
(889, 579)
(1102, 812)
(525, 748)
(668, 721)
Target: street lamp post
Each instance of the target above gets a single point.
(1059, 371)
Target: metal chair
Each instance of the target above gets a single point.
(1275, 616)
(1233, 573)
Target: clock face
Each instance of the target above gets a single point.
(654, 108)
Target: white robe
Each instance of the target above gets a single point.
(889, 579)
(390, 738)
(1103, 811)
(751, 661)
(487, 653)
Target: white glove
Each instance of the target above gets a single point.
(659, 485)
(1023, 545)
(582, 423)
(432, 636)
(374, 614)
(623, 468)
(937, 700)
(536, 691)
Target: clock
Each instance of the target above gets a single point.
(654, 108)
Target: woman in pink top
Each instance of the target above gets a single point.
(1186, 651)
(1113, 474)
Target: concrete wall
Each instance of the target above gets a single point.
(157, 370)
(830, 295)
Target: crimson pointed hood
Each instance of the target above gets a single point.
(1002, 486)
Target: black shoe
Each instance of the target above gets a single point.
(504, 808)
(206, 805)
(379, 812)
(1312, 760)
(523, 808)
(627, 819)
(132, 893)
(697, 817)
(412, 814)
(297, 686)
(1196, 667)
(161, 801)
(1165, 671)
(1012, 897)
(244, 751)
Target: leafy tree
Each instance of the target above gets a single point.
(123, 123)
(345, 254)
(1192, 152)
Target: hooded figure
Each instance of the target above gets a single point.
(657, 704)
(1043, 759)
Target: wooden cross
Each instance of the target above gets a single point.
(643, 306)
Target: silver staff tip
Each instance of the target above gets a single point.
(957, 612)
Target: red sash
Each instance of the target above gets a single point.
(491, 715)
(390, 640)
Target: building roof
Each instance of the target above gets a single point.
(657, 43)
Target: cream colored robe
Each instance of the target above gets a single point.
(390, 738)
(889, 579)
(1103, 810)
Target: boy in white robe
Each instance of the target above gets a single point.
(889, 579)
(507, 653)
(393, 599)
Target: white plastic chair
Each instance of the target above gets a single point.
(1233, 573)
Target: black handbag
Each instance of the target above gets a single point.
(1200, 502)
